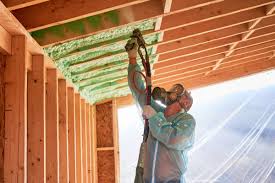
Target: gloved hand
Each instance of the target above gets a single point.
(148, 111)
(132, 53)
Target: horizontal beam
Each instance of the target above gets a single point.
(210, 12)
(217, 44)
(213, 25)
(222, 75)
(17, 4)
(205, 37)
(57, 12)
(195, 56)
(179, 5)
(166, 47)
(209, 53)
(125, 16)
(199, 48)
(241, 55)
(182, 72)
(5, 41)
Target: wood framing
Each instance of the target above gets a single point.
(107, 142)
(210, 12)
(51, 14)
(52, 127)
(2, 115)
(71, 135)
(36, 121)
(17, 4)
(79, 167)
(94, 144)
(63, 131)
(5, 42)
(89, 143)
(126, 16)
(15, 152)
(84, 140)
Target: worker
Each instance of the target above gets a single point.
(171, 132)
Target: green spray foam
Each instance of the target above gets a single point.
(61, 50)
(113, 68)
(113, 78)
(108, 95)
(100, 62)
(108, 49)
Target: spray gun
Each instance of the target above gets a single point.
(146, 64)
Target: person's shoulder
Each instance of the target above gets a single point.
(186, 117)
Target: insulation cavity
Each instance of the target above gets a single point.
(61, 50)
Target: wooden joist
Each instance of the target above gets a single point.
(56, 12)
(36, 121)
(52, 127)
(210, 12)
(5, 41)
(17, 4)
(126, 16)
(232, 73)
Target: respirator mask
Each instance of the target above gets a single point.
(168, 97)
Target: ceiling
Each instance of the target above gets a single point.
(194, 42)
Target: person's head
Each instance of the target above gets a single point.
(177, 98)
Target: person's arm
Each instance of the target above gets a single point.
(135, 81)
(178, 135)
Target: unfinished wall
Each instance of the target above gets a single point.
(2, 116)
(107, 142)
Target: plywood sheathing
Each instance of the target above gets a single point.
(106, 166)
(104, 125)
(107, 161)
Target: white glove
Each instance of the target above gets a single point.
(148, 111)
(133, 52)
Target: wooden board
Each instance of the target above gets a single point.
(52, 128)
(84, 139)
(71, 135)
(36, 121)
(78, 138)
(106, 166)
(15, 153)
(104, 125)
(17, 4)
(63, 131)
(2, 116)
(89, 143)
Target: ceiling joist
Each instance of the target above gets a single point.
(57, 12)
(18, 4)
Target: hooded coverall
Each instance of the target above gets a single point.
(169, 138)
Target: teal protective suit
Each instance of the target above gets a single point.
(169, 138)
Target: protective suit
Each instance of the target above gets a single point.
(169, 139)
